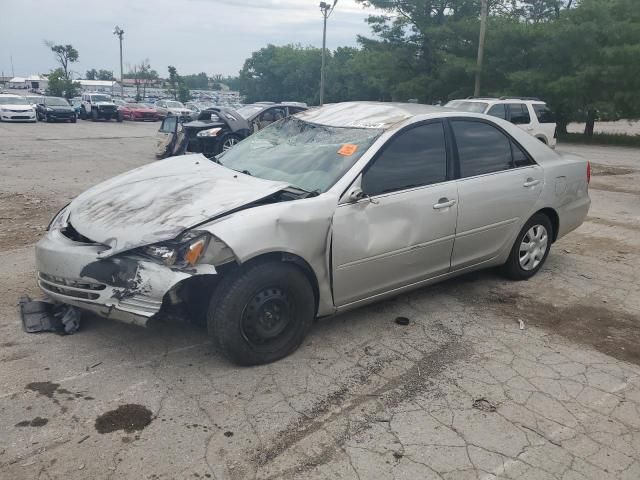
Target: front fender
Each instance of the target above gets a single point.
(299, 227)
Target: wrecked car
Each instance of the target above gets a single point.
(320, 213)
(262, 114)
(216, 130)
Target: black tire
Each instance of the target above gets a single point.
(254, 299)
(119, 117)
(94, 115)
(46, 118)
(513, 268)
(74, 119)
(83, 113)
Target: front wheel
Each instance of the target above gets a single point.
(227, 142)
(531, 248)
(261, 313)
(94, 115)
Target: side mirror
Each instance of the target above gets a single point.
(355, 195)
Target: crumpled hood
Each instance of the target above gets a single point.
(159, 201)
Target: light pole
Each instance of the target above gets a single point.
(326, 10)
(119, 33)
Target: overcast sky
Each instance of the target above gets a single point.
(214, 36)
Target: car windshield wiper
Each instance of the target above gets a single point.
(305, 193)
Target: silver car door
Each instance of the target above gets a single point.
(498, 189)
(397, 227)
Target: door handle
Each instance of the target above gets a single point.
(531, 182)
(444, 203)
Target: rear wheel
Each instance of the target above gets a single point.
(261, 313)
(531, 248)
(83, 113)
(94, 115)
(119, 117)
(74, 119)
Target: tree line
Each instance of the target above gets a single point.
(581, 56)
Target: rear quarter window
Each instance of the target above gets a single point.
(519, 114)
(543, 113)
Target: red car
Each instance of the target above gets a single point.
(137, 111)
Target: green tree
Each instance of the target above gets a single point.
(65, 55)
(179, 89)
(174, 80)
(59, 86)
(198, 81)
(91, 74)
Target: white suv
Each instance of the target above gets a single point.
(530, 114)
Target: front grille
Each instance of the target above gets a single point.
(71, 288)
(18, 111)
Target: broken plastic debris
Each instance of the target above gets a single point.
(402, 320)
(47, 316)
(71, 320)
(484, 405)
(521, 324)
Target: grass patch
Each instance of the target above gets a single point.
(601, 139)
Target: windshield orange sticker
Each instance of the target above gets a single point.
(348, 149)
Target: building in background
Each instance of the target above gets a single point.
(105, 86)
(32, 82)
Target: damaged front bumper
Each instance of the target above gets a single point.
(125, 287)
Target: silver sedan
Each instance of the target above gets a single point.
(319, 213)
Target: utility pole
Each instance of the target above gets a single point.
(13, 74)
(483, 31)
(326, 10)
(119, 33)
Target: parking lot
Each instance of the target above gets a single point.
(491, 379)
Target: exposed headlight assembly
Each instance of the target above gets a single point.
(59, 220)
(192, 248)
(212, 132)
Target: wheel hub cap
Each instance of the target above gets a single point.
(533, 247)
(266, 315)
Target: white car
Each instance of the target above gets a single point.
(14, 108)
(530, 114)
(173, 108)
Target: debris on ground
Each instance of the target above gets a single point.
(521, 324)
(484, 405)
(48, 316)
(402, 321)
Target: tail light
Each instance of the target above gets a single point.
(588, 172)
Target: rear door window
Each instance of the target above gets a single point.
(482, 148)
(519, 114)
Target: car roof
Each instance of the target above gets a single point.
(367, 114)
(498, 100)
